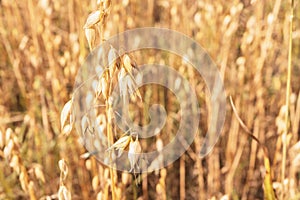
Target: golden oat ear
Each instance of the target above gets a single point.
(127, 63)
(127, 83)
(104, 87)
(90, 34)
(63, 192)
(134, 153)
(66, 113)
(135, 90)
(121, 144)
(113, 61)
(93, 19)
(132, 61)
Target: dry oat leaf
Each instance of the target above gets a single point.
(65, 113)
(93, 19)
(134, 153)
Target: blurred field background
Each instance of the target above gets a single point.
(42, 45)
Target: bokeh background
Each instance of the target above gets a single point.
(43, 44)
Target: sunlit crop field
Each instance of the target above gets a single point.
(43, 44)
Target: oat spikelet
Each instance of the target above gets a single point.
(107, 5)
(39, 173)
(65, 113)
(122, 84)
(121, 144)
(113, 61)
(104, 87)
(127, 85)
(63, 192)
(85, 123)
(90, 34)
(128, 65)
(63, 169)
(93, 19)
(134, 153)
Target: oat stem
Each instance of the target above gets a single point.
(287, 100)
(110, 137)
(110, 134)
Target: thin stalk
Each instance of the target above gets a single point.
(287, 100)
(111, 139)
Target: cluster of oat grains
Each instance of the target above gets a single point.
(91, 105)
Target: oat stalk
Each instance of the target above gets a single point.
(287, 100)
(268, 184)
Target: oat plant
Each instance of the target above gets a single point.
(119, 70)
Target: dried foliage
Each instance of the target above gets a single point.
(43, 43)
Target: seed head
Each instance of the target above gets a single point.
(93, 19)
(90, 34)
(134, 153)
(120, 144)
